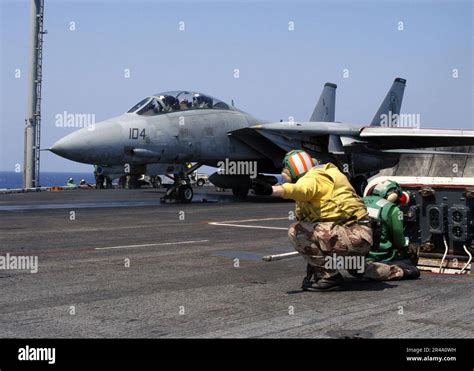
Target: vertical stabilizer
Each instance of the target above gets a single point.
(326, 107)
(391, 104)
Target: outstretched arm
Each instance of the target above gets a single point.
(303, 190)
(278, 191)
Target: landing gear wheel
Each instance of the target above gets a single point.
(185, 193)
(181, 190)
(200, 182)
(240, 192)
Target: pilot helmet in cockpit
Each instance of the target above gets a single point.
(201, 101)
(170, 102)
(157, 107)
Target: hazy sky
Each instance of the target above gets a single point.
(281, 71)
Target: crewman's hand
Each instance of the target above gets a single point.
(262, 188)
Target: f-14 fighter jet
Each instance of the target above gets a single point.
(165, 132)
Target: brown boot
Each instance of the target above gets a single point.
(308, 279)
(409, 271)
(329, 284)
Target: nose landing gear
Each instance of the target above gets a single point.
(185, 193)
(181, 190)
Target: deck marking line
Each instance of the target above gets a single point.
(151, 244)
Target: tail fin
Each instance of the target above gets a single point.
(391, 104)
(326, 107)
(325, 110)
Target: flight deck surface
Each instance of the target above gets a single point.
(128, 266)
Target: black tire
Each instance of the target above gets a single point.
(200, 182)
(240, 192)
(185, 194)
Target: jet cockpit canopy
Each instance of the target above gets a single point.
(181, 100)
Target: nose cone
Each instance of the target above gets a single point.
(100, 144)
(71, 146)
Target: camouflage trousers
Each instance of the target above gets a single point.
(317, 241)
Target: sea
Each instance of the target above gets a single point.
(11, 179)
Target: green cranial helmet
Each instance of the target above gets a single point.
(384, 188)
(298, 163)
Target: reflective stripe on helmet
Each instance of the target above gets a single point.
(302, 159)
(301, 163)
(298, 163)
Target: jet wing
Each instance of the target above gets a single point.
(356, 137)
(304, 129)
(259, 143)
(383, 138)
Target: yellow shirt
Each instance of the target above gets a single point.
(325, 194)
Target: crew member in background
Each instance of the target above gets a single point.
(84, 184)
(70, 183)
(332, 219)
(99, 177)
(388, 258)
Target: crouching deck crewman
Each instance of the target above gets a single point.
(389, 257)
(332, 218)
